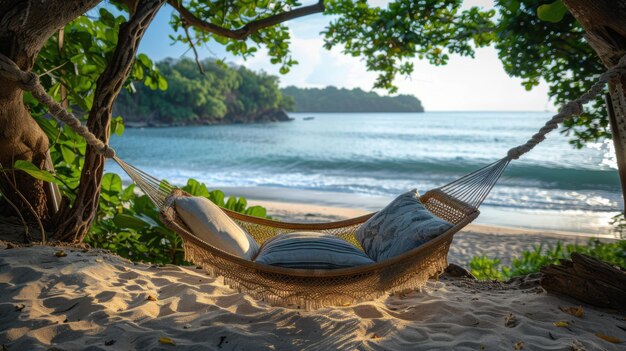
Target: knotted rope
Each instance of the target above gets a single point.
(29, 81)
(570, 109)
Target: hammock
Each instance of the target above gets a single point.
(456, 202)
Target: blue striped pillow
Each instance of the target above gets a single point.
(310, 250)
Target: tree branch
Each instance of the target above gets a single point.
(250, 28)
(193, 47)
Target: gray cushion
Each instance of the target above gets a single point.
(401, 226)
(209, 223)
(310, 250)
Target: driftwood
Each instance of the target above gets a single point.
(588, 280)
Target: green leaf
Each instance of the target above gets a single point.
(111, 183)
(144, 205)
(137, 72)
(127, 221)
(150, 83)
(196, 188)
(217, 196)
(49, 126)
(33, 171)
(241, 204)
(231, 204)
(553, 12)
(128, 193)
(144, 60)
(148, 220)
(257, 211)
(513, 6)
(117, 126)
(164, 184)
(54, 90)
(162, 83)
(68, 154)
(107, 18)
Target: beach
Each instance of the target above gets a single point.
(93, 300)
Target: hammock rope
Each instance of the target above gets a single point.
(571, 108)
(456, 202)
(471, 189)
(29, 81)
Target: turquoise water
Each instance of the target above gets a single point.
(382, 155)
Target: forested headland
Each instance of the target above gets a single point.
(332, 99)
(219, 95)
(223, 94)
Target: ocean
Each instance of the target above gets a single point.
(366, 159)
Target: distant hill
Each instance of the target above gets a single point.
(222, 95)
(331, 99)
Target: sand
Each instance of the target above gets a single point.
(97, 301)
(92, 300)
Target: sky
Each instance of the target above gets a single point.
(464, 84)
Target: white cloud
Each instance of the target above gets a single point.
(308, 53)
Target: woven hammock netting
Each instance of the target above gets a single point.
(471, 189)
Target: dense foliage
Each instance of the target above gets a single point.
(70, 77)
(127, 222)
(552, 50)
(331, 99)
(486, 268)
(218, 94)
(389, 38)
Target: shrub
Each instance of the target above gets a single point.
(531, 261)
(128, 223)
(485, 268)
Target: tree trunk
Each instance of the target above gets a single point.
(25, 26)
(604, 22)
(75, 222)
(21, 139)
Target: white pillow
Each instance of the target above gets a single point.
(209, 223)
(311, 250)
(401, 226)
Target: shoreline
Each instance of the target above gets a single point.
(333, 204)
(296, 211)
(504, 243)
(197, 123)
